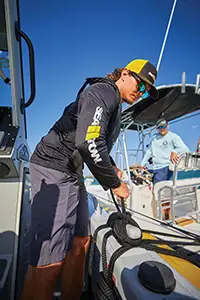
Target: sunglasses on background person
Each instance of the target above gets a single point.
(162, 127)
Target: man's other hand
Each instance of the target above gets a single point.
(174, 158)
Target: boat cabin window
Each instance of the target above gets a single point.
(5, 89)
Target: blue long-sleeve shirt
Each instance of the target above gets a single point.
(161, 147)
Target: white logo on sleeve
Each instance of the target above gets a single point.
(92, 147)
(93, 151)
(97, 116)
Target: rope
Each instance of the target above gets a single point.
(117, 225)
(190, 235)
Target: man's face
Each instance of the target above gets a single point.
(132, 87)
(163, 130)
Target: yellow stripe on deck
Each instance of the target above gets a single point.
(184, 222)
(106, 208)
(188, 270)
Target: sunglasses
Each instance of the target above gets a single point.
(162, 127)
(141, 87)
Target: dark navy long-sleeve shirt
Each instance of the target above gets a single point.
(90, 125)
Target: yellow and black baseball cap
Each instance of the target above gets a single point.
(146, 72)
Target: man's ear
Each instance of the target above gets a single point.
(124, 74)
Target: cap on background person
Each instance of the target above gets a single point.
(161, 123)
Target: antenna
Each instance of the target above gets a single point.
(183, 83)
(166, 34)
(197, 87)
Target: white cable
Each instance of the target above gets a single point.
(166, 34)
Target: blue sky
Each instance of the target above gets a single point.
(77, 39)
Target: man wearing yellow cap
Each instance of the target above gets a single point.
(85, 133)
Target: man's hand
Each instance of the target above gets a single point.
(122, 191)
(118, 172)
(137, 166)
(174, 158)
(144, 168)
